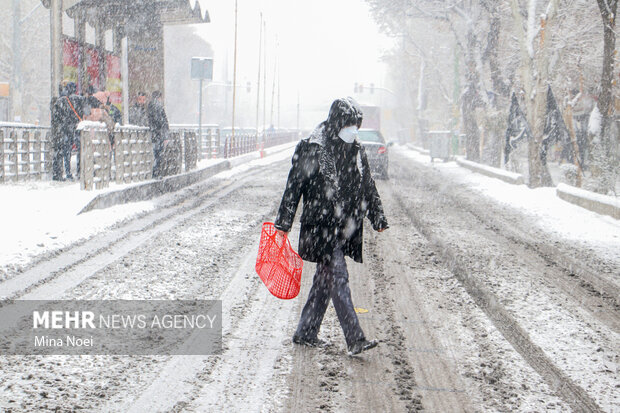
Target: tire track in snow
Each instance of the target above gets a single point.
(560, 382)
(47, 281)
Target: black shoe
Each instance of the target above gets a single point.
(314, 342)
(362, 345)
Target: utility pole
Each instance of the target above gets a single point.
(234, 78)
(278, 95)
(273, 87)
(16, 87)
(200, 116)
(260, 51)
(56, 39)
(298, 110)
(264, 73)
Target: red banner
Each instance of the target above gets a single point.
(92, 68)
(70, 59)
(113, 81)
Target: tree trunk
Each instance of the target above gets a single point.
(602, 162)
(470, 101)
(535, 68)
(491, 52)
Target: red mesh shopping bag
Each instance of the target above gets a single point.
(277, 265)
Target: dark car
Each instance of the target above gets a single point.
(376, 150)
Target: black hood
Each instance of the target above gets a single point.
(343, 112)
(71, 88)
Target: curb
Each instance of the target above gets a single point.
(601, 204)
(510, 177)
(152, 189)
(418, 149)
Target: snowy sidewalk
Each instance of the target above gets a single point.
(42, 216)
(550, 213)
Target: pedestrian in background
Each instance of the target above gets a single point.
(137, 111)
(69, 110)
(56, 135)
(330, 172)
(158, 122)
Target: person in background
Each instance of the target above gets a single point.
(330, 172)
(158, 122)
(105, 114)
(92, 101)
(56, 135)
(115, 113)
(69, 110)
(137, 111)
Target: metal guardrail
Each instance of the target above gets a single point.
(216, 142)
(25, 152)
(208, 143)
(248, 142)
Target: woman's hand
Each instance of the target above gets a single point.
(282, 233)
(381, 230)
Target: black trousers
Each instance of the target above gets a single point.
(61, 153)
(158, 148)
(331, 280)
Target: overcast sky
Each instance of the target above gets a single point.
(324, 47)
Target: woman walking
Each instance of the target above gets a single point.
(330, 171)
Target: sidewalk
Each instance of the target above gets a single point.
(42, 216)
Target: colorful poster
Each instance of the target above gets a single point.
(70, 60)
(113, 80)
(92, 68)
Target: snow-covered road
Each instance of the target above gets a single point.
(480, 308)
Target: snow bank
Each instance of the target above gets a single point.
(506, 176)
(602, 204)
(38, 217)
(419, 149)
(549, 213)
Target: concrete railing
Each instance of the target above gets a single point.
(131, 158)
(133, 154)
(25, 152)
(95, 156)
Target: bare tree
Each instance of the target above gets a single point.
(601, 121)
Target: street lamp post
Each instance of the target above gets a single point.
(56, 39)
(234, 78)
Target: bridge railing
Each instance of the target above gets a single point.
(25, 152)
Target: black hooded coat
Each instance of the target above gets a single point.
(338, 191)
(68, 110)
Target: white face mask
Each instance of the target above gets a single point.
(348, 134)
